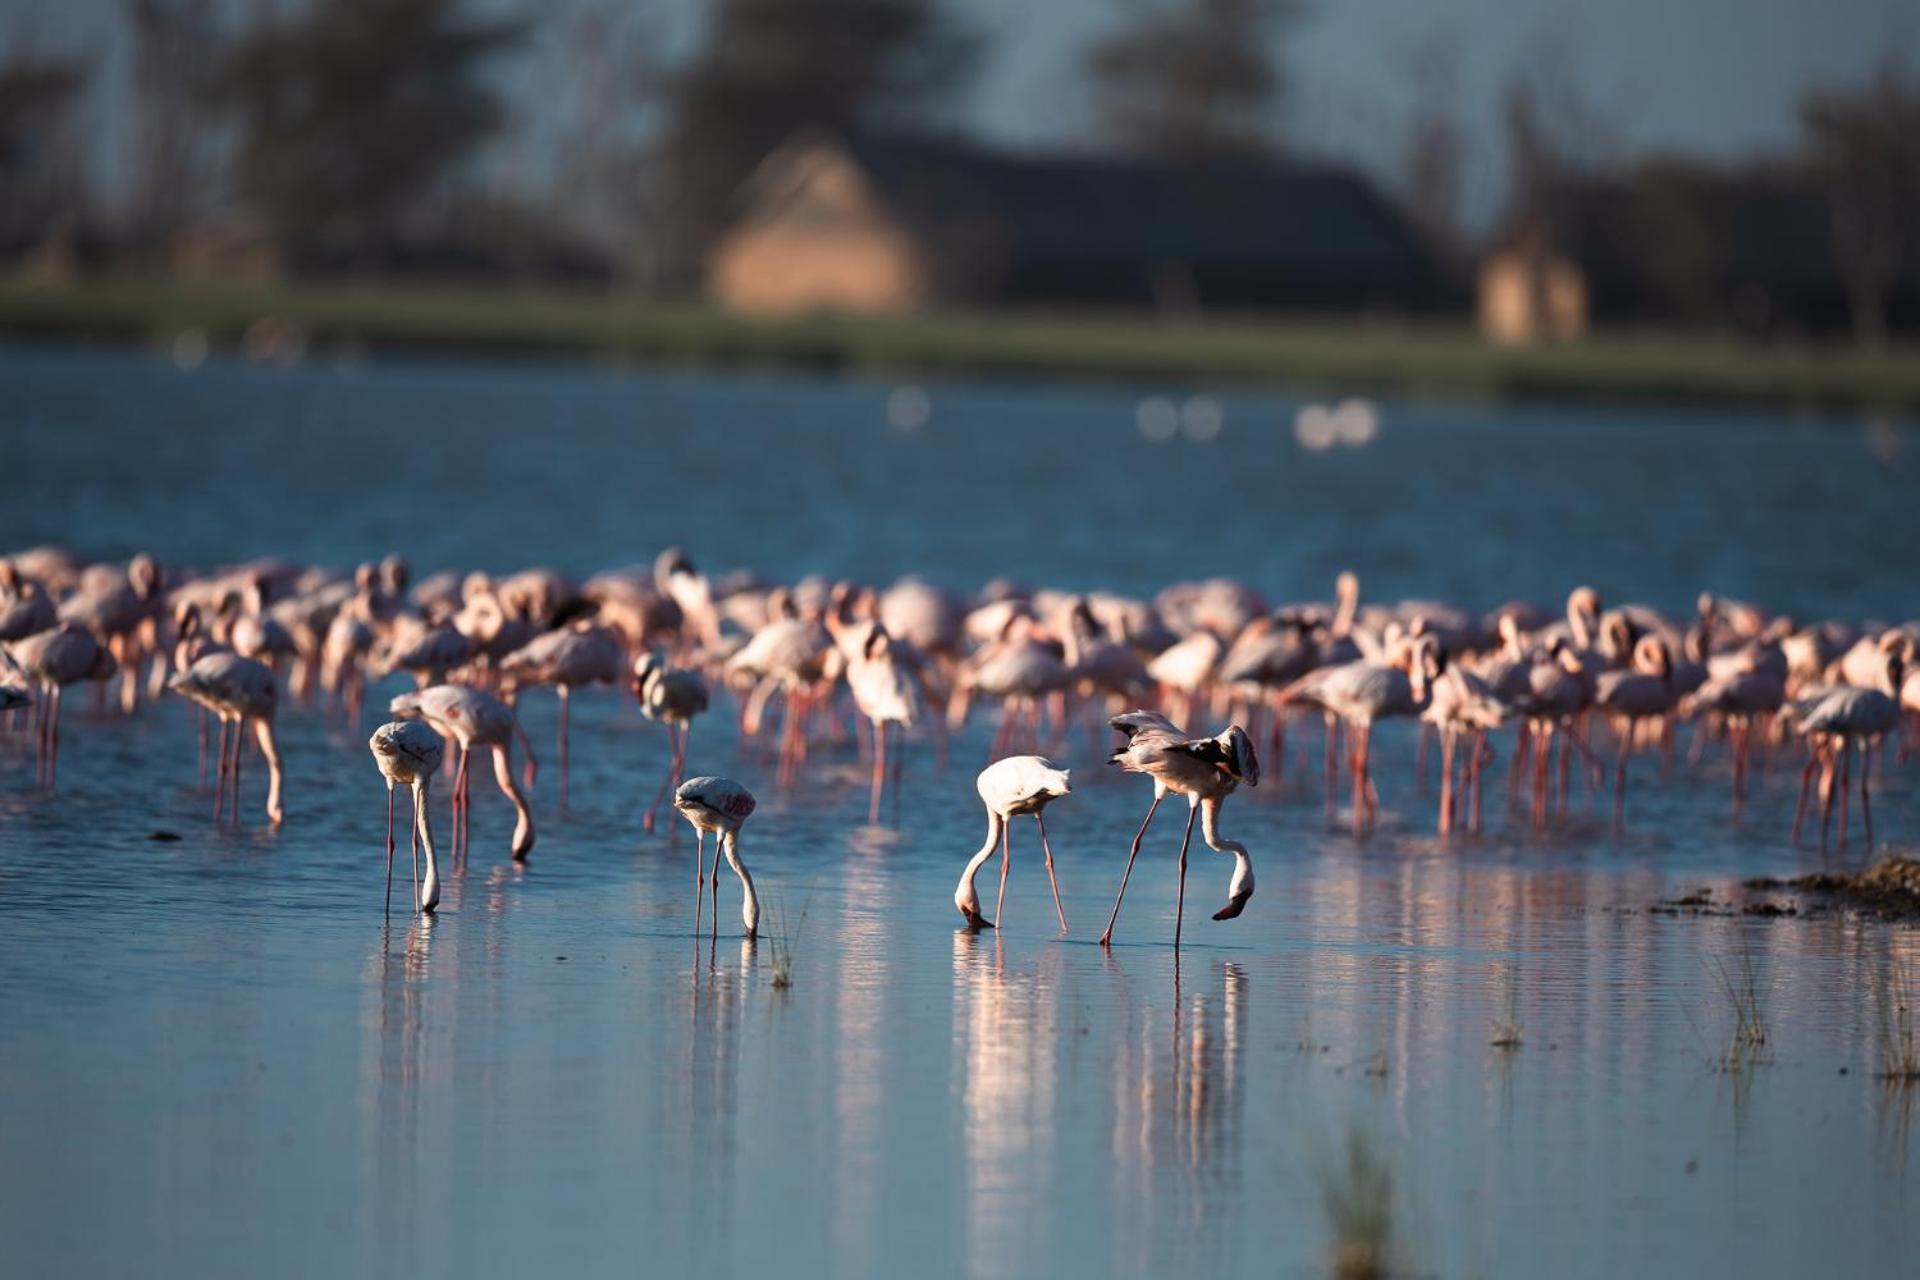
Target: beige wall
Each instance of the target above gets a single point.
(1518, 306)
(784, 270)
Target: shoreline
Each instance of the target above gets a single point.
(1406, 358)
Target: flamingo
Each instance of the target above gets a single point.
(887, 692)
(117, 610)
(471, 717)
(1460, 704)
(1360, 693)
(673, 697)
(582, 654)
(25, 607)
(1836, 722)
(409, 753)
(56, 658)
(719, 805)
(1018, 669)
(240, 691)
(1204, 770)
(1738, 697)
(1011, 787)
(1644, 692)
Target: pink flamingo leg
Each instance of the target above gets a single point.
(879, 773)
(565, 700)
(1106, 937)
(1180, 899)
(1046, 848)
(239, 734)
(389, 906)
(1006, 856)
(220, 775)
(700, 876)
(1866, 798)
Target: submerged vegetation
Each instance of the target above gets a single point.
(1899, 1036)
(1356, 1193)
(1742, 993)
(781, 936)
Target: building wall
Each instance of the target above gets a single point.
(1526, 298)
(776, 269)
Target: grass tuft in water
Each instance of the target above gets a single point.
(1899, 1032)
(1357, 1195)
(1506, 1030)
(1742, 992)
(780, 939)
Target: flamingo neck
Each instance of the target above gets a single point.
(263, 730)
(523, 816)
(430, 883)
(965, 896)
(750, 903)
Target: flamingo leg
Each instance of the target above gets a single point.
(1180, 898)
(1620, 777)
(1826, 796)
(389, 906)
(239, 734)
(1843, 754)
(1006, 857)
(880, 774)
(1052, 883)
(1362, 780)
(1333, 770)
(673, 758)
(1866, 797)
(1446, 781)
(1106, 938)
(699, 877)
(219, 776)
(1806, 784)
(565, 701)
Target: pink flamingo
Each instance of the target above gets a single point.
(1011, 787)
(240, 691)
(1204, 770)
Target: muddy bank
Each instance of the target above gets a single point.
(1890, 887)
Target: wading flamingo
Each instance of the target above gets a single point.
(472, 718)
(673, 697)
(719, 805)
(1009, 788)
(240, 691)
(1204, 770)
(409, 754)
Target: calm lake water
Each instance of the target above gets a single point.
(216, 1060)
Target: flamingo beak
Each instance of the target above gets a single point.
(1235, 905)
(975, 921)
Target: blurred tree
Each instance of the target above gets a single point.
(42, 188)
(1866, 142)
(350, 111)
(606, 170)
(1187, 79)
(173, 43)
(769, 68)
(1435, 148)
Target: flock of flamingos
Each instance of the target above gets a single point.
(1594, 682)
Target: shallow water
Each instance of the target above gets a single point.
(215, 1058)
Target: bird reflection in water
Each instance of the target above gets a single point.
(1006, 1047)
(1179, 1104)
(396, 1073)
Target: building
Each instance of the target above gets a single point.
(891, 226)
(1749, 250)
